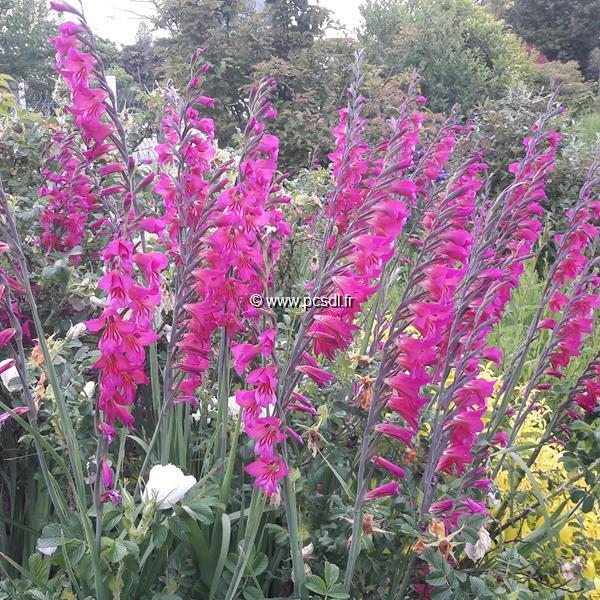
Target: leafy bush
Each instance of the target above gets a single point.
(463, 53)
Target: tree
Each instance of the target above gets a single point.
(25, 53)
(462, 51)
(238, 39)
(561, 29)
(141, 59)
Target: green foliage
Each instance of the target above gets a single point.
(462, 52)
(284, 41)
(562, 29)
(25, 53)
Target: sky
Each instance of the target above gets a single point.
(118, 19)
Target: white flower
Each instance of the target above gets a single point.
(196, 416)
(233, 408)
(49, 551)
(478, 550)
(89, 388)
(9, 374)
(493, 501)
(76, 331)
(572, 571)
(166, 486)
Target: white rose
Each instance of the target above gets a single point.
(166, 486)
(478, 550)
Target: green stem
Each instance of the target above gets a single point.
(154, 379)
(291, 512)
(223, 397)
(226, 483)
(63, 412)
(257, 504)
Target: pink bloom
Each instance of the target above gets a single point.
(319, 376)
(267, 473)
(400, 433)
(108, 479)
(266, 432)
(6, 336)
(19, 410)
(265, 382)
(442, 506)
(389, 466)
(493, 354)
(388, 489)
(62, 7)
(243, 355)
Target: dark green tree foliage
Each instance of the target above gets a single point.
(294, 24)
(25, 53)
(237, 38)
(462, 51)
(141, 59)
(561, 29)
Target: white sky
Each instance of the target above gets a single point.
(115, 19)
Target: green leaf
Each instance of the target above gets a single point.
(39, 569)
(588, 504)
(332, 574)
(179, 527)
(52, 536)
(337, 591)
(252, 593)
(116, 551)
(479, 587)
(316, 584)
(342, 481)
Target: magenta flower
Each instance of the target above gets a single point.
(6, 335)
(318, 375)
(393, 468)
(4, 417)
(388, 489)
(266, 432)
(267, 473)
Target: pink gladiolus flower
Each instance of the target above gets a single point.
(6, 335)
(267, 434)
(62, 7)
(267, 473)
(108, 479)
(442, 506)
(243, 355)
(319, 376)
(265, 384)
(389, 466)
(400, 433)
(388, 489)
(19, 410)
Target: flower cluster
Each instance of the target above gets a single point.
(573, 265)
(132, 277)
(71, 197)
(448, 243)
(89, 103)
(587, 392)
(126, 325)
(234, 242)
(370, 207)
